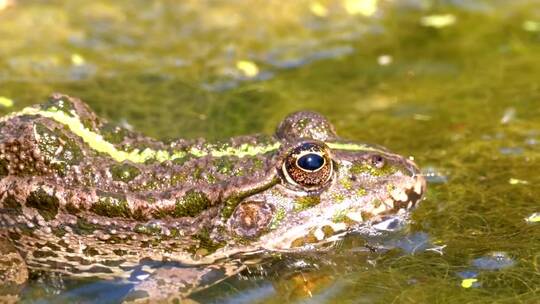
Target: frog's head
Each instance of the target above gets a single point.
(327, 187)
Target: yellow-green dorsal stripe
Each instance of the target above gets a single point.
(96, 142)
(99, 144)
(352, 147)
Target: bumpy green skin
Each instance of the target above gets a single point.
(87, 199)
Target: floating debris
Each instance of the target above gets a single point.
(508, 116)
(77, 60)
(433, 176)
(511, 150)
(531, 141)
(412, 244)
(515, 181)
(361, 7)
(438, 21)
(469, 279)
(533, 218)
(384, 60)
(318, 9)
(494, 261)
(6, 102)
(248, 68)
(421, 117)
(468, 283)
(531, 26)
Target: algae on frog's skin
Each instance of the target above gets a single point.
(361, 167)
(278, 217)
(124, 172)
(306, 202)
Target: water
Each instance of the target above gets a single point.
(454, 83)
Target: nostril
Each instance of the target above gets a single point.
(377, 161)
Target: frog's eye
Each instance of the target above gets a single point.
(308, 165)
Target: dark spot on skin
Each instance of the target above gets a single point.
(113, 263)
(78, 260)
(59, 231)
(113, 239)
(90, 251)
(124, 172)
(43, 254)
(52, 246)
(191, 204)
(83, 227)
(71, 208)
(11, 205)
(47, 205)
(99, 269)
(14, 236)
(3, 168)
(120, 252)
(63, 243)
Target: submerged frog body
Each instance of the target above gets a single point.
(84, 198)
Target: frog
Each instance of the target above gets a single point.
(82, 197)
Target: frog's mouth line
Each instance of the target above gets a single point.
(386, 217)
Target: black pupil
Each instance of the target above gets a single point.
(311, 162)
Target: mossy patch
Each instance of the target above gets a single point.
(206, 244)
(47, 205)
(111, 205)
(305, 202)
(59, 103)
(191, 204)
(114, 134)
(339, 216)
(278, 217)
(58, 148)
(224, 165)
(124, 172)
(147, 229)
(12, 205)
(364, 168)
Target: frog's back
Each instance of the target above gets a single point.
(88, 198)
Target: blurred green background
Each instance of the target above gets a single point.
(456, 83)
